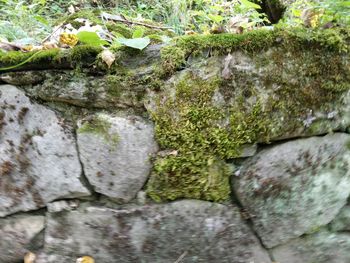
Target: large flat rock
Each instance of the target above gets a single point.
(197, 230)
(116, 153)
(38, 158)
(295, 187)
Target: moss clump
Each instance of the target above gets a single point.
(192, 125)
(122, 29)
(100, 126)
(92, 16)
(79, 55)
(174, 56)
(13, 58)
(297, 76)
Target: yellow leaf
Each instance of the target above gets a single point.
(27, 48)
(29, 257)
(68, 39)
(85, 259)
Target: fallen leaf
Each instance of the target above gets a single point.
(71, 9)
(85, 259)
(29, 257)
(49, 45)
(108, 57)
(68, 39)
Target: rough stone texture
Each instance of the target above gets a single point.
(342, 220)
(17, 234)
(295, 187)
(205, 232)
(322, 247)
(123, 89)
(117, 160)
(38, 158)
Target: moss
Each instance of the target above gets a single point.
(174, 56)
(92, 16)
(101, 127)
(125, 30)
(82, 54)
(194, 127)
(298, 76)
(14, 58)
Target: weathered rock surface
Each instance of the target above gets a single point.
(295, 187)
(116, 154)
(323, 247)
(38, 158)
(342, 220)
(198, 230)
(85, 90)
(17, 234)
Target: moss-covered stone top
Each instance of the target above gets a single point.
(174, 55)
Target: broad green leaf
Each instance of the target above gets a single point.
(345, 4)
(249, 4)
(90, 38)
(138, 33)
(42, 20)
(215, 18)
(138, 43)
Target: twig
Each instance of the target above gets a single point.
(122, 19)
(181, 257)
(58, 27)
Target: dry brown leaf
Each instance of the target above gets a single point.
(49, 45)
(108, 57)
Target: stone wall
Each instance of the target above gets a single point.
(235, 156)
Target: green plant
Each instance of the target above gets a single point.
(23, 21)
(326, 11)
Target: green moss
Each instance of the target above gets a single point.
(125, 30)
(92, 16)
(174, 56)
(301, 76)
(14, 58)
(82, 54)
(101, 127)
(193, 126)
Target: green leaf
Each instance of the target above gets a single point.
(249, 4)
(91, 38)
(215, 18)
(138, 33)
(138, 43)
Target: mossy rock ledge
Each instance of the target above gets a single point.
(248, 125)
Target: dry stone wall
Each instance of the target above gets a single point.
(88, 161)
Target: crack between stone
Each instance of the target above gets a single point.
(40, 211)
(250, 223)
(83, 179)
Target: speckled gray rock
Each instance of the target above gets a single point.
(323, 247)
(200, 231)
(38, 157)
(116, 154)
(16, 236)
(342, 220)
(295, 187)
